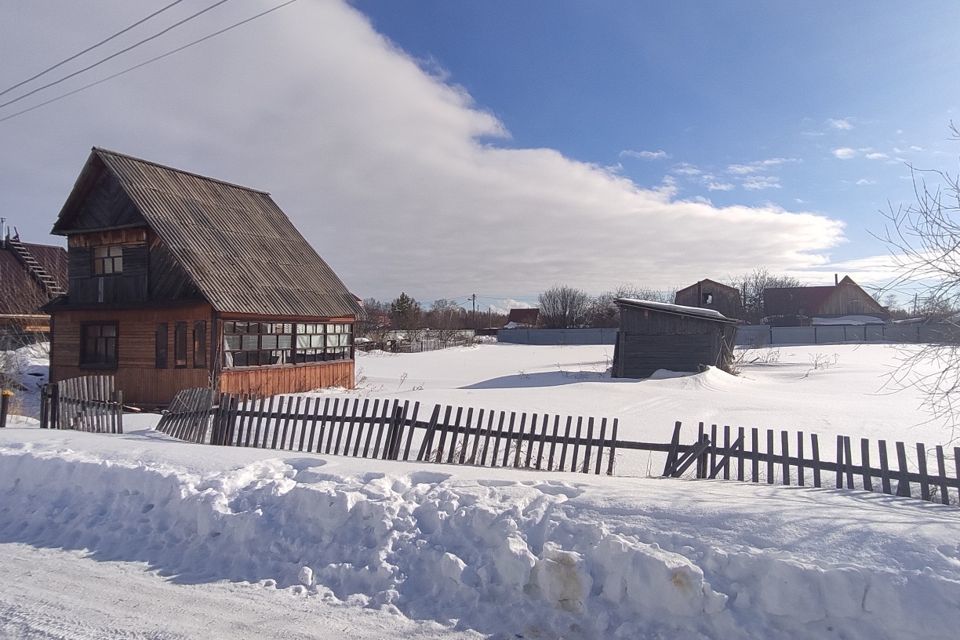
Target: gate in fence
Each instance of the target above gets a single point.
(88, 403)
(394, 430)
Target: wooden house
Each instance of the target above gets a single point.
(177, 280)
(797, 306)
(710, 294)
(517, 318)
(30, 276)
(657, 335)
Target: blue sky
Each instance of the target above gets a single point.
(445, 148)
(712, 85)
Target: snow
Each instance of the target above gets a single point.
(677, 308)
(180, 540)
(848, 320)
(502, 553)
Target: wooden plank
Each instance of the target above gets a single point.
(726, 447)
(566, 439)
(301, 419)
(454, 433)
(247, 416)
(671, 462)
(553, 441)
(314, 416)
(942, 476)
(427, 443)
(576, 444)
(381, 420)
(508, 439)
(409, 425)
(839, 462)
(613, 447)
(701, 461)
(903, 486)
(922, 468)
(530, 440)
(770, 456)
(464, 444)
(475, 452)
(713, 448)
(884, 468)
(262, 429)
(865, 463)
(329, 423)
(754, 454)
(362, 423)
(519, 441)
(586, 453)
(603, 432)
(275, 422)
(486, 438)
(849, 456)
(801, 462)
(785, 457)
(442, 428)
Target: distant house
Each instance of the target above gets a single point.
(519, 318)
(177, 280)
(801, 306)
(710, 294)
(30, 276)
(657, 335)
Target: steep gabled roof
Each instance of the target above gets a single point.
(20, 292)
(242, 252)
(713, 283)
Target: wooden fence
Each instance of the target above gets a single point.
(88, 403)
(395, 430)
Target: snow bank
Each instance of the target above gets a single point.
(506, 552)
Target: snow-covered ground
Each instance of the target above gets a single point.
(177, 540)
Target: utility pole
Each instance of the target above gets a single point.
(475, 323)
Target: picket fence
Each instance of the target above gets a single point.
(396, 430)
(87, 403)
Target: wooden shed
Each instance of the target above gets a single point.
(657, 335)
(710, 294)
(177, 280)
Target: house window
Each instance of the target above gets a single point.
(108, 260)
(708, 298)
(248, 344)
(180, 345)
(161, 345)
(98, 345)
(200, 344)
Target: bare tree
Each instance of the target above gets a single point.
(603, 311)
(924, 242)
(562, 307)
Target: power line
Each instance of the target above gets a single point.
(150, 61)
(114, 55)
(90, 48)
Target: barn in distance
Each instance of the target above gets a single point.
(657, 335)
(710, 294)
(179, 281)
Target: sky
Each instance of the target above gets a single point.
(500, 148)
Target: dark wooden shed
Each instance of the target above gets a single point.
(657, 335)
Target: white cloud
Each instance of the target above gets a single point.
(914, 147)
(876, 155)
(756, 183)
(844, 153)
(757, 166)
(686, 169)
(659, 154)
(842, 124)
(864, 181)
(505, 304)
(394, 175)
(720, 186)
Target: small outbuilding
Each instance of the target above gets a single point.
(657, 335)
(710, 294)
(30, 276)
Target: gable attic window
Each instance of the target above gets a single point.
(108, 260)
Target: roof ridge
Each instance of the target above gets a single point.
(169, 168)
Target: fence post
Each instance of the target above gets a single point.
(55, 405)
(119, 410)
(5, 396)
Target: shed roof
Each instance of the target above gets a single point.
(20, 292)
(676, 309)
(240, 249)
(713, 283)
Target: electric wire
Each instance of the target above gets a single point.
(90, 48)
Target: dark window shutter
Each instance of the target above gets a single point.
(162, 337)
(200, 344)
(180, 345)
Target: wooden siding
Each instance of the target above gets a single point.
(849, 299)
(128, 286)
(267, 381)
(726, 299)
(136, 373)
(103, 204)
